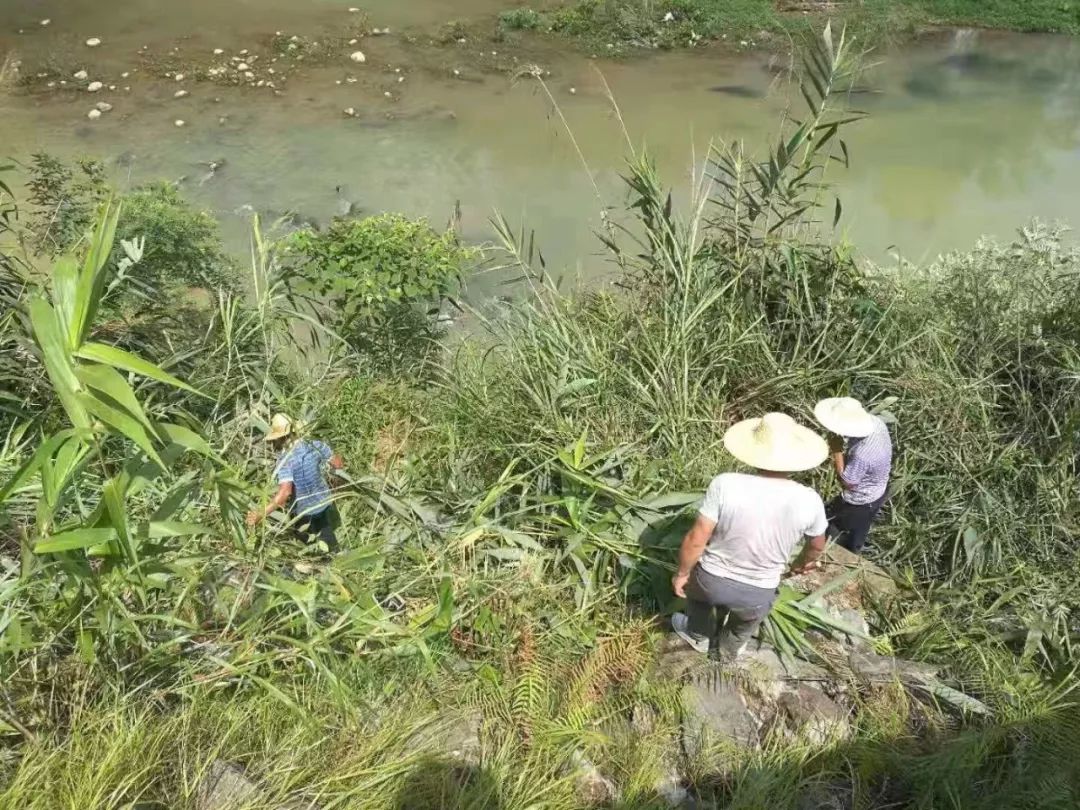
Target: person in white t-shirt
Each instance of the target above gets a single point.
(734, 556)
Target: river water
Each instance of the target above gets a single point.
(968, 133)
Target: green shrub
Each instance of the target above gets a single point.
(520, 19)
(63, 199)
(183, 245)
(382, 281)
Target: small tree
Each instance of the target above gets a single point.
(381, 282)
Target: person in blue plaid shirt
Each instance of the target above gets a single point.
(862, 466)
(302, 486)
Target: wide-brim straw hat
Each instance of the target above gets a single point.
(280, 427)
(776, 443)
(844, 416)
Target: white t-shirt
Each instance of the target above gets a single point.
(759, 521)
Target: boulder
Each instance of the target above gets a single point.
(225, 786)
(714, 709)
(811, 713)
(882, 668)
(593, 788)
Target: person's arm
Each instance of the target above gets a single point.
(836, 451)
(693, 546)
(810, 554)
(279, 501)
(816, 525)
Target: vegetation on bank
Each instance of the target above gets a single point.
(514, 503)
(605, 25)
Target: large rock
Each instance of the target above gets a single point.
(811, 713)
(714, 710)
(882, 668)
(225, 786)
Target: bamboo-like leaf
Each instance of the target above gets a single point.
(186, 438)
(43, 452)
(74, 539)
(122, 423)
(113, 497)
(173, 528)
(110, 382)
(119, 358)
(65, 283)
(57, 360)
(92, 279)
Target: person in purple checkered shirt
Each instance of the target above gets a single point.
(863, 467)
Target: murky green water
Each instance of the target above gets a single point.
(968, 133)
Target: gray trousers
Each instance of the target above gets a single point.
(740, 609)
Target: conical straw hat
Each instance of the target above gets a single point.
(844, 416)
(280, 427)
(776, 443)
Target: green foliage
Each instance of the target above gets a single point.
(63, 200)
(183, 243)
(382, 281)
(520, 19)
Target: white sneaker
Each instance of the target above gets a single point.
(680, 623)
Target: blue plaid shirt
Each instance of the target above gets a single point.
(302, 466)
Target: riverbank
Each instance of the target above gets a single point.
(492, 634)
(623, 26)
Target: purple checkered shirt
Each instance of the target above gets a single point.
(867, 464)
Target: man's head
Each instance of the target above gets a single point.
(845, 417)
(775, 444)
(281, 428)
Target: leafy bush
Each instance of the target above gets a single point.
(520, 19)
(183, 245)
(381, 281)
(64, 199)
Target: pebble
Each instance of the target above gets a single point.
(179, 122)
(243, 66)
(103, 106)
(388, 94)
(400, 79)
(223, 120)
(218, 51)
(93, 42)
(93, 115)
(112, 86)
(349, 111)
(179, 77)
(180, 94)
(573, 91)
(351, 80)
(337, 81)
(124, 75)
(93, 87)
(127, 89)
(354, 10)
(353, 41)
(358, 56)
(249, 75)
(260, 83)
(270, 71)
(81, 75)
(244, 52)
(51, 84)
(46, 22)
(457, 72)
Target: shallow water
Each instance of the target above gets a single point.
(968, 133)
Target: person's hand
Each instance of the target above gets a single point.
(799, 570)
(253, 518)
(678, 583)
(836, 443)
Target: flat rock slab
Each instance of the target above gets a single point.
(812, 713)
(882, 668)
(714, 709)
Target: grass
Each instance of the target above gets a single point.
(512, 512)
(622, 24)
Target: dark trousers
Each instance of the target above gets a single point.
(320, 526)
(740, 609)
(849, 524)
